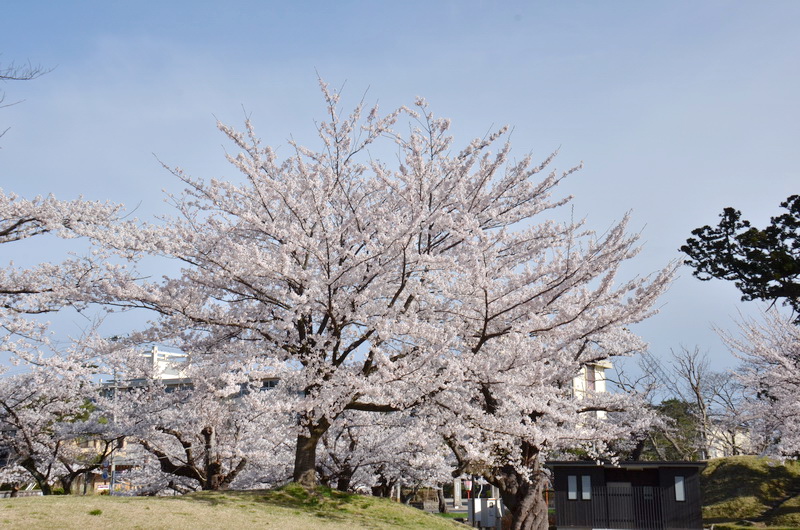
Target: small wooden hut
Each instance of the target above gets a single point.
(642, 495)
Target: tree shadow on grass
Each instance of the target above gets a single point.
(751, 489)
(759, 478)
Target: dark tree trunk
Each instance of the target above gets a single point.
(209, 474)
(524, 499)
(29, 464)
(305, 456)
(440, 497)
(69, 478)
(385, 485)
(528, 508)
(305, 460)
(408, 497)
(213, 468)
(214, 476)
(178, 488)
(344, 478)
(225, 480)
(343, 482)
(66, 482)
(384, 489)
(636, 454)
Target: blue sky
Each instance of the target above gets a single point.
(677, 109)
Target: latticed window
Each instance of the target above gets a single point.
(591, 377)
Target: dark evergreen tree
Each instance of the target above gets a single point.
(764, 264)
(680, 439)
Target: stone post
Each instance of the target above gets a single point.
(457, 493)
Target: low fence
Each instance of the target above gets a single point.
(7, 494)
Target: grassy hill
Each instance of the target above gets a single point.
(290, 508)
(738, 492)
(748, 492)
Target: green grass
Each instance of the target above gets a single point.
(738, 493)
(289, 508)
(749, 526)
(747, 492)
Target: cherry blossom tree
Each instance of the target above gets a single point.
(323, 262)
(367, 450)
(46, 420)
(28, 292)
(386, 288)
(770, 349)
(540, 304)
(43, 402)
(201, 431)
(47, 287)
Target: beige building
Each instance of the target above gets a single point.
(592, 378)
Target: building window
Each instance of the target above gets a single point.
(680, 492)
(572, 487)
(591, 378)
(586, 487)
